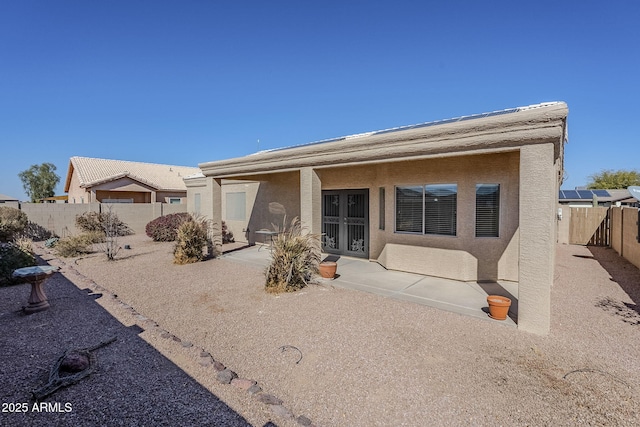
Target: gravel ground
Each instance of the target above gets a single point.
(365, 360)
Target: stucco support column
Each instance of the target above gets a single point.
(538, 201)
(310, 200)
(215, 211)
(153, 197)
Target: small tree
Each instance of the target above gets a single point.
(611, 180)
(112, 227)
(39, 181)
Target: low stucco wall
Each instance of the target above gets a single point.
(448, 263)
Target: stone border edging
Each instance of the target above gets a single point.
(224, 375)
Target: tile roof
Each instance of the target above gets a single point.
(93, 171)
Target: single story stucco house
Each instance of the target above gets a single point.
(91, 180)
(471, 199)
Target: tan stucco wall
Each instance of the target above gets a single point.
(278, 190)
(250, 190)
(538, 210)
(564, 224)
(496, 258)
(77, 194)
(261, 190)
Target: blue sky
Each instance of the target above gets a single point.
(185, 82)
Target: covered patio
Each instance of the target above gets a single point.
(466, 298)
(470, 200)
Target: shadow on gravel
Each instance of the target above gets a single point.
(133, 384)
(627, 276)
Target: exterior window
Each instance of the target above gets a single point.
(174, 201)
(381, 212)
(428, 209)
(409, 209)
(440, 209)
(197, 203)
(236, 206)
(487, 210)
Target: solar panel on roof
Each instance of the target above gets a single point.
(585, 194)
(571, 194)
(601, 193)
(560, 195)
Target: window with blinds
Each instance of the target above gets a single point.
(409, 209)
(428, 209)
(487, 210)
(440, 209)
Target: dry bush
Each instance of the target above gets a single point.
(295, 257)
(105, 222)
(77, 245)
(12, 222)
(192, 237)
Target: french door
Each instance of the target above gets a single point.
(345, 222)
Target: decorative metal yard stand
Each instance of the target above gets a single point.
(36, 276)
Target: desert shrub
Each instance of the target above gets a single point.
(100, 221)
(165, 228)
(36, 232)
(12, 222)
(192, 236)
(77, 245)
(295, 257)
(12, 257)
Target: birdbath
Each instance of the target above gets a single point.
(36, 276)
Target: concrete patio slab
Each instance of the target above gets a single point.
(466, 298)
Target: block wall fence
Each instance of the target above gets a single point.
(60, 218)
(624, 233)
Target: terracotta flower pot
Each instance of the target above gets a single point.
(498, 306)
(328, 269)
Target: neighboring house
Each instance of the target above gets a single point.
(470, 199)
(6, 199)
(9, 201)
(581, 198)
(54, 199)
(118, 181)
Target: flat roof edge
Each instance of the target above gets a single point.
(545, 123)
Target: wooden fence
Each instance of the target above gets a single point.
(589, 226)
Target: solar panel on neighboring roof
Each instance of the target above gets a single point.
(585, 194)
(601, 193)
(571, 194)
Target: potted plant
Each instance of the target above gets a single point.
(328, 269)
(498, 306)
